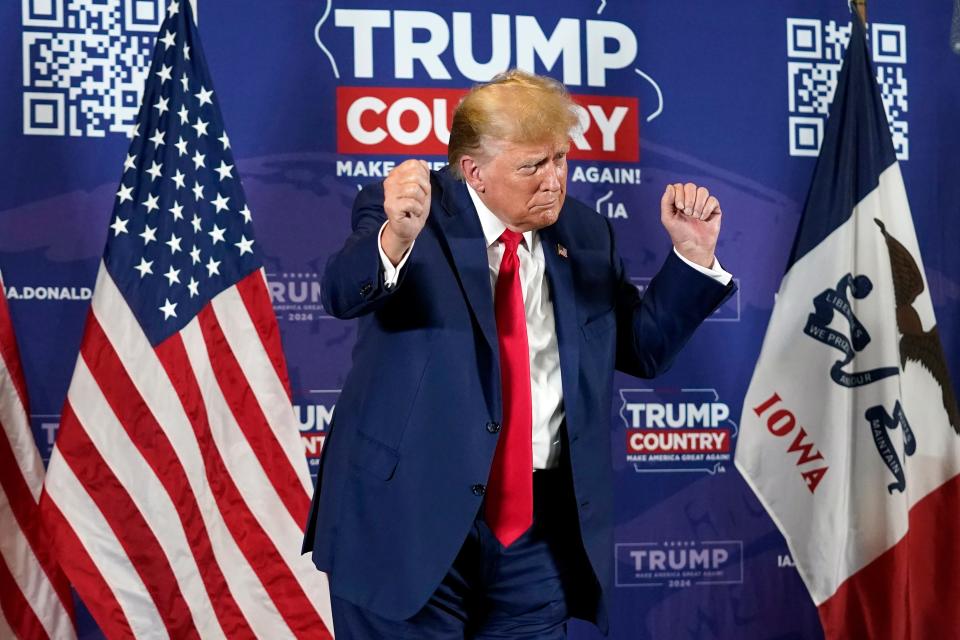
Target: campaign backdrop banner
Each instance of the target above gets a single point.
(323, 97)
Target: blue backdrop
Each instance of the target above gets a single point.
(320, 97)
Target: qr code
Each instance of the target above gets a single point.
(815, 50)
(84, 64)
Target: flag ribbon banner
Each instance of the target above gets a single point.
(177, 491)
(857, 458)
(36, 600)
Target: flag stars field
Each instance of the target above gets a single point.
(184, 111)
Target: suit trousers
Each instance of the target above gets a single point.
(528, 590)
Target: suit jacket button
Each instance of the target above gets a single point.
(366, 289)
(493, 427)
(478, 489)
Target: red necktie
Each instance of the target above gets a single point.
(509, 497)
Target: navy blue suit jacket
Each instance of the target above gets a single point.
(408, 442)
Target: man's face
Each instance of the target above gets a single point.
(524, 184)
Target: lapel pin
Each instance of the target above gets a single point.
(561, 250)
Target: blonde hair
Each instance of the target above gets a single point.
(514, 106)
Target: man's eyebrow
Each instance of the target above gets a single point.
(533, 160)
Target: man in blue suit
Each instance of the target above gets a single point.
(466, 483)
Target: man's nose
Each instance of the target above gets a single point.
(551, 178)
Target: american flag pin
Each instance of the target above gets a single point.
(561, 251)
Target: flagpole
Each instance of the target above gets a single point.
(861, 7)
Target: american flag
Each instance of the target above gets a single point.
(178, 489)
(36, 600)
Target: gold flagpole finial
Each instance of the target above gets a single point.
(861, 7)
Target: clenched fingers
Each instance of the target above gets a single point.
(711, 208)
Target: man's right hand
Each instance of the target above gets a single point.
(406, 201)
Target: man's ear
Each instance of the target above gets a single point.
(470, 170)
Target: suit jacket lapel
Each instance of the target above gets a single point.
(555, 245)
(464, 237)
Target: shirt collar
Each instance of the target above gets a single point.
(492, 226)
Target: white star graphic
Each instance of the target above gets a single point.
(174, 243)
(184, 114)
(199, 160)
(186, 51)
(168, 40)
(245, 246)
(185, 81)
(145, 267)
(204, 96)
(151, 203)
(155, 170)
(172, 275)
(213, 267)
(217, 234)
(197, 190)
(173, 8)
(245, 212)
(195, 255)
(225, 141)
(129, 163)
(177, 210)
(196, 223)
(119, 226)
(164, 73)
(201, 127)
(178, 179)
(157, 137)
(193, 285)
(224, 170)
(220, 202)
(162, 106)
(149, 235)
(169, 309)
(125, 193)
(134, 132)
(181, 146)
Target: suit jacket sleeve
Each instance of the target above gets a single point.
(353, 281)
(654, 327)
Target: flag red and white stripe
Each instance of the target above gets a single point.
(36, 600)
(178, 487)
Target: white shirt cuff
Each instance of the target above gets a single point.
(391, 273)
(716, 272)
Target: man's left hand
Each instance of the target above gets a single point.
(692, 218)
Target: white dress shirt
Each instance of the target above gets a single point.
(545, 384)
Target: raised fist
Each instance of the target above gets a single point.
(692, 218)
(406, 201)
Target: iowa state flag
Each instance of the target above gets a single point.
(850, 434)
